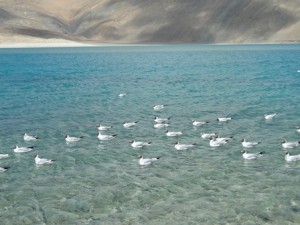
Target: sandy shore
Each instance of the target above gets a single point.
(19, 41)
(31, 42)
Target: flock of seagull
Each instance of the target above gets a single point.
(214, 139)
(17, 149)
(159, 122)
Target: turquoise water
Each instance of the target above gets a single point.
(54, 92)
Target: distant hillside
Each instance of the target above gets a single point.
(153, 21)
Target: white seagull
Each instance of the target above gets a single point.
(72, 139)
(40, 161)
(179, 146)
(198, 123)
(158, 107)
(29, 137)
(4, 156)
(222, 139)
(291, 158)
(160, 125)
(173, 133)
(270, 116)
(286, 144)
(224, 119)
(102, 127)
(18, 149)
(249, 144)
(215, 143)
(298, 129)
(105, 137)
(251, 155)
(2, 169)
(122, 95)
(208, 135)
(161, 120)
(146, 161)
(139, 144)
(129, 124)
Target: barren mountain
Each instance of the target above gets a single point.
(152, 21)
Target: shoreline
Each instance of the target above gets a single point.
(43, 45)
(28, 42)
(20, 41)
(64, 45)
(71, 44)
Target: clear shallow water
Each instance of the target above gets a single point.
(54, 92)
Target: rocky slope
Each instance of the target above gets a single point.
(155, 21)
